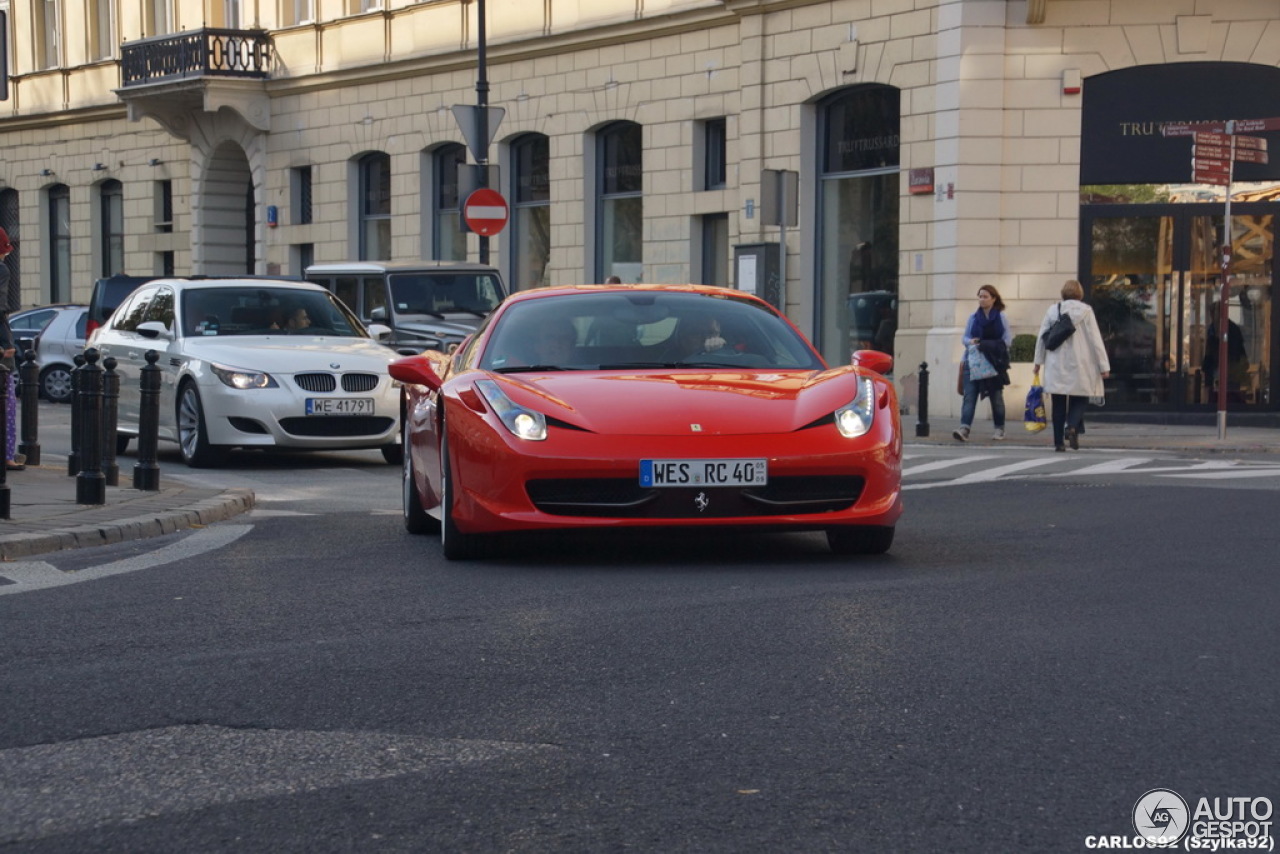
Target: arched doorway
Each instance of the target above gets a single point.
(228, 223)
(1150, 238)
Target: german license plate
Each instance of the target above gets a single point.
(703, 472)
(340, 406)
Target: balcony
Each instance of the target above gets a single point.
(180, 79)
(199, 53)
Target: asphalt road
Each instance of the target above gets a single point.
(1030, 659)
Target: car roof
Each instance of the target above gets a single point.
(399, 267)
(62, 305)
(236, 281)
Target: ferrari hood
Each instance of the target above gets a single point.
(661, 403)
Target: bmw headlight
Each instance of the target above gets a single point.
(855, 419)
(242, 379)
(523, 423)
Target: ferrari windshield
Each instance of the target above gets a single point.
(633, 329)
(266, 311)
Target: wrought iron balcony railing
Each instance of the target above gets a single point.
(197, 53)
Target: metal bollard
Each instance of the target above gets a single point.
(91, 486)
(922, 425)
(30, 373)
(73, 458)
(146, 474)
(5, 498)
(110, 414)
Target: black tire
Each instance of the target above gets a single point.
(860, 540)
(193, 434)
(122, 442)
(55, 383)
(455, 544)
(393, 454)
(416, 520)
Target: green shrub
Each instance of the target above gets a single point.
(1023, 349)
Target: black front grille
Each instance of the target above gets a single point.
(625, 498)
(315, 382)
(359, 382)
(248, 425)
(336, 425)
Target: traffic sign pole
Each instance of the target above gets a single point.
(1226, 293)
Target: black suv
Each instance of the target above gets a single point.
(107, 295)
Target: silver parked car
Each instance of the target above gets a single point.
(57, 333)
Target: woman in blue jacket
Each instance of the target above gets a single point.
(987, 331)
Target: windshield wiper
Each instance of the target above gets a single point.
(524, 369)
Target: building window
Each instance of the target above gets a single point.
(302, 256)
(59, 243)
(713, 154)
(715, 250)
(531, 217)
(9, 207)
(48, 33)
(449, 242)
(111, 223)
(375, 207)
(101, 18)
(620, 203)
(299, 12)
(300, 195)
(158, 17)
(858, 221)
(164, 263)
(163, 200)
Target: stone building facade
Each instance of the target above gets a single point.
(903, 152)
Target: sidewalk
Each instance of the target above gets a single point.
(1107, 435)
(44, 516)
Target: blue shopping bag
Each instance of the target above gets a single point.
(1033, 417)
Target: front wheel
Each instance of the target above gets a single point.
(416, 520)
(393, 454)
(456, 545)
(860, 539)
(193, 434)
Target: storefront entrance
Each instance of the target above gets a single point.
(1152, 274)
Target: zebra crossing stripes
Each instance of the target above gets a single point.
(922, 471)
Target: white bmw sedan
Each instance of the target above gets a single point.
(249, 362)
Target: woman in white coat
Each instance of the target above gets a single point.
(1074, 372)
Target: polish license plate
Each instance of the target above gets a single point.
(703, 473)
(340, 406)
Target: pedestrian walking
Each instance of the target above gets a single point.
(988, 335)
(1074, 371)
(8, 352)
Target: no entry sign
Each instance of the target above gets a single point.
(485, 212)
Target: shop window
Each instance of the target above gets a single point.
(375, 207)
(531, 216)
(59, 231)
(858, 221)
(620, 203)
(449, 242)
(111, 227)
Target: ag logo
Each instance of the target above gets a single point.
(1162, 814)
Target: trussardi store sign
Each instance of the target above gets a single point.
(1123, 112)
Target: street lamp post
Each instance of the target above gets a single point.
(482, 117)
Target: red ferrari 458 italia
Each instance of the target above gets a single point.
(647, 406)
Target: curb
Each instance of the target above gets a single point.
(225, 505)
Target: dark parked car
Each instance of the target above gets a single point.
(107, 294)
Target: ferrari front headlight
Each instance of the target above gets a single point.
(523, 423)
(856, 419)
(242, 379)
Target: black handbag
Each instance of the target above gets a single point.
(1062, 329)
